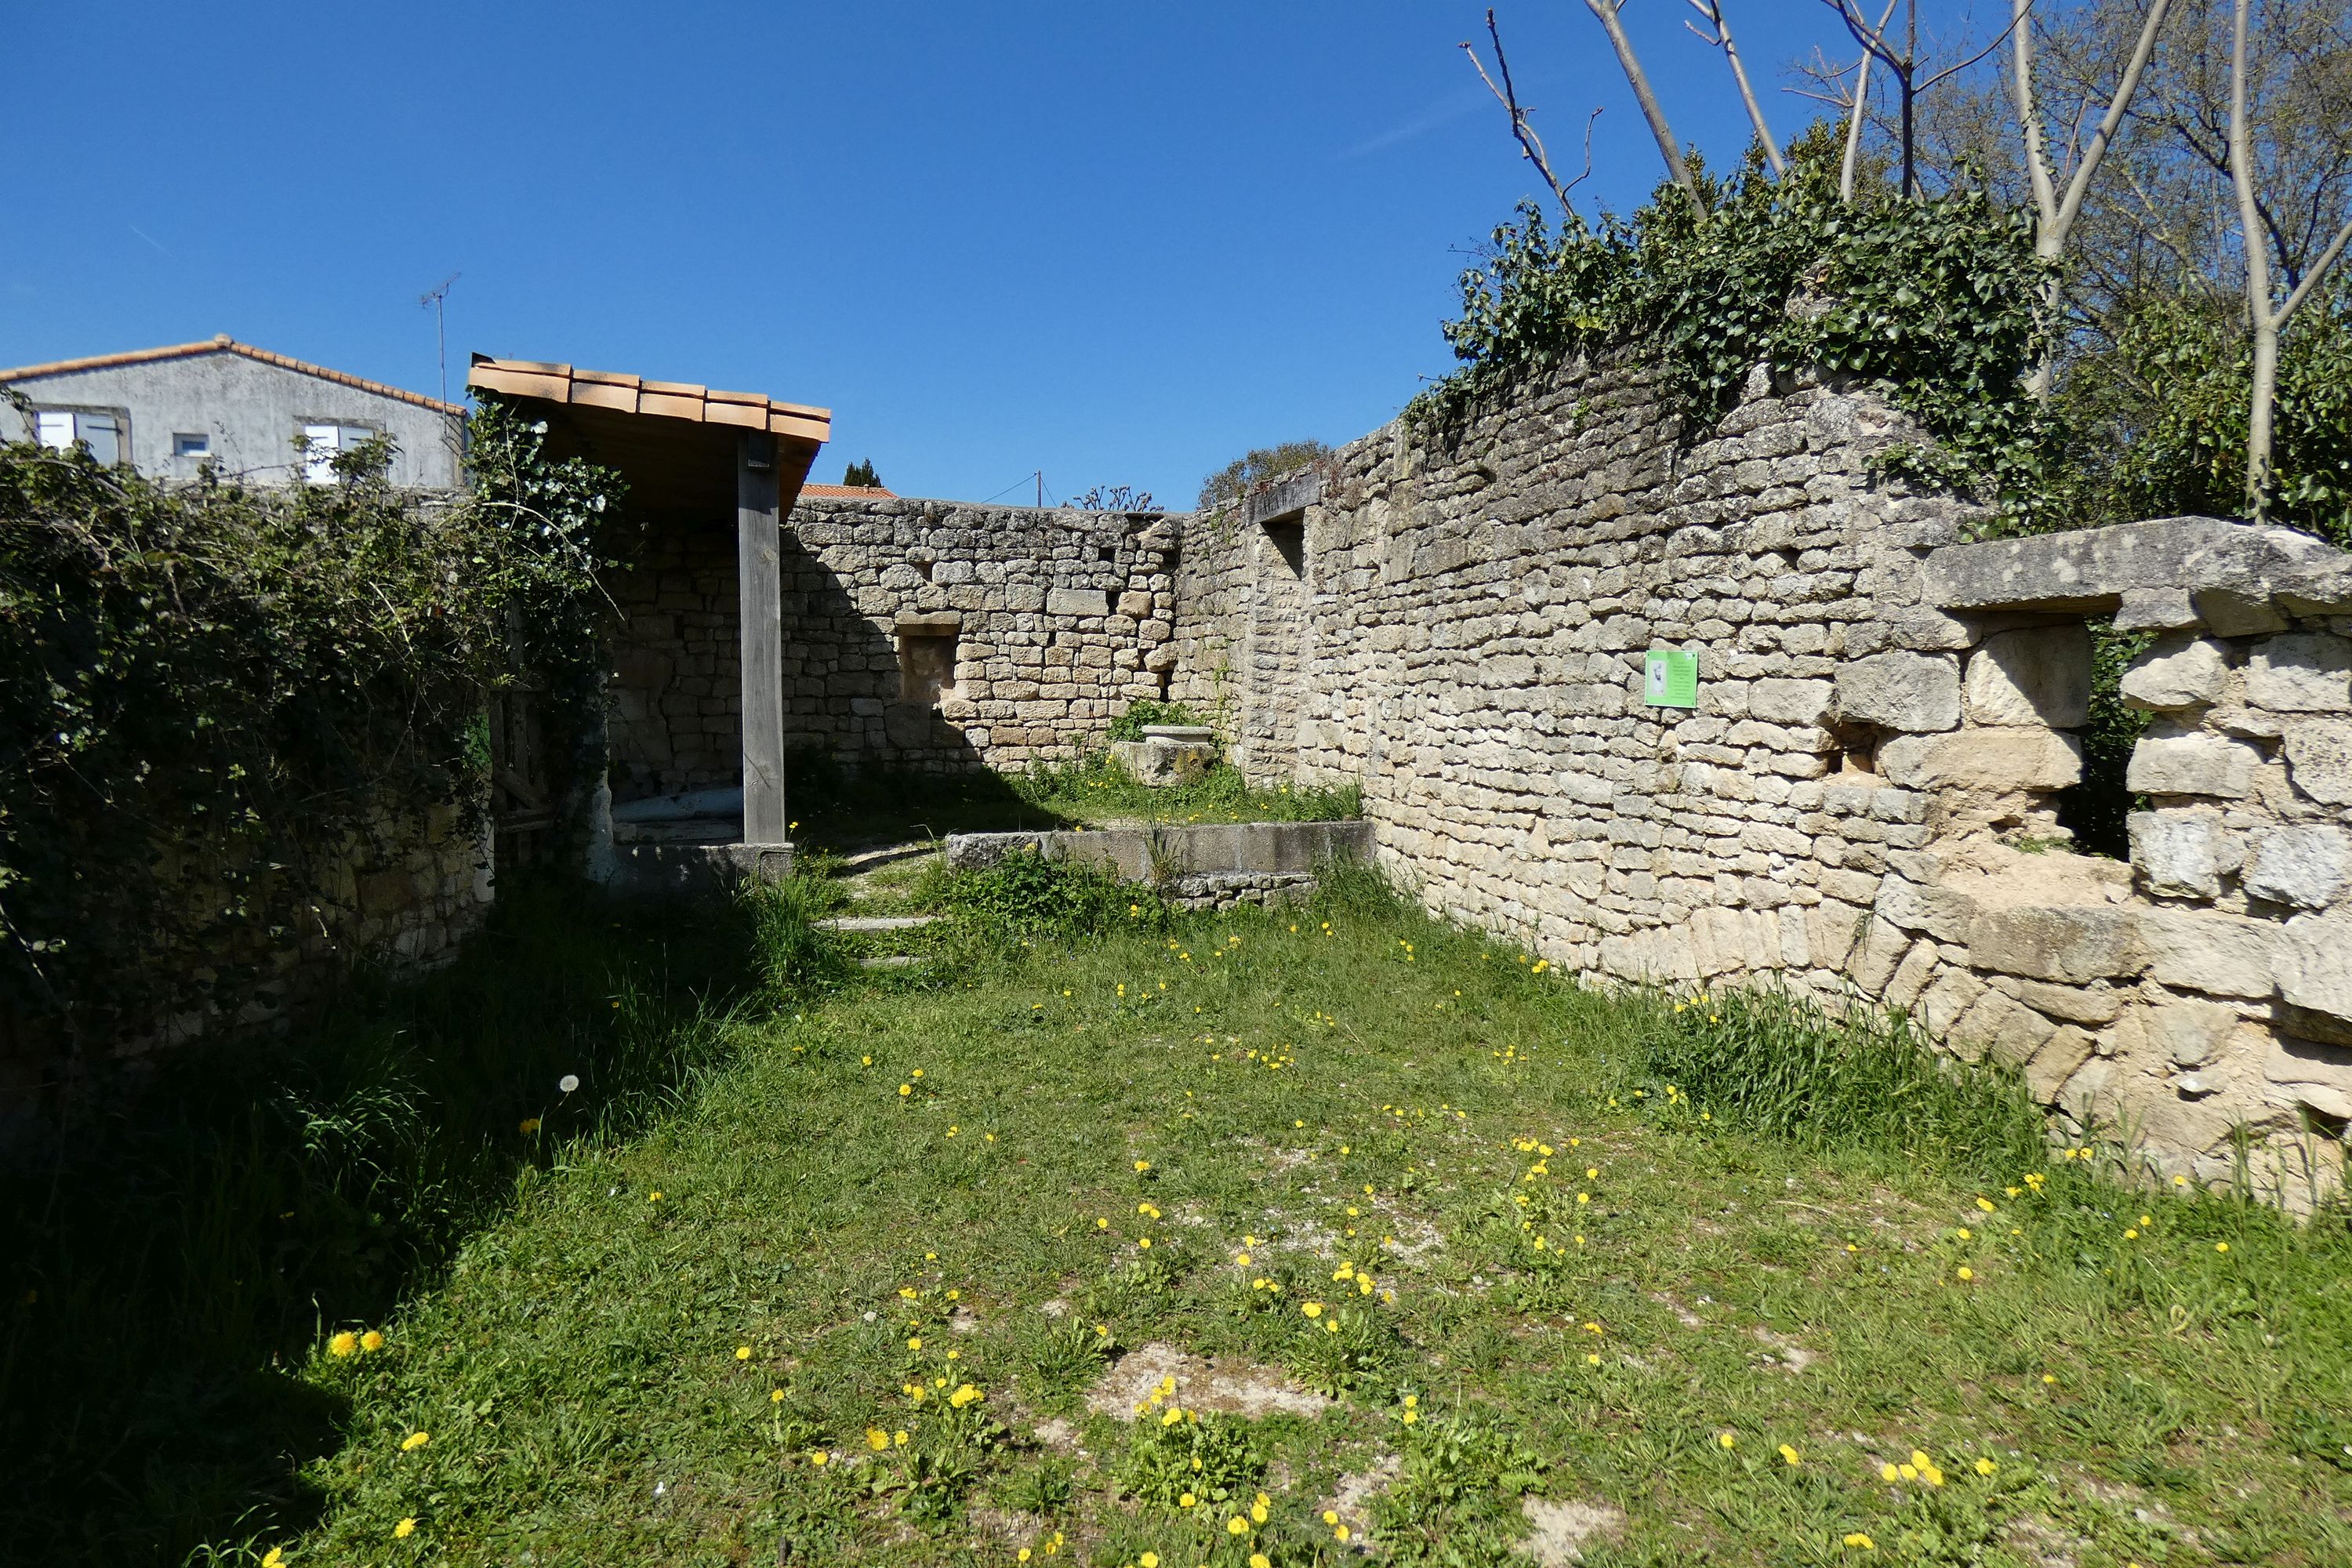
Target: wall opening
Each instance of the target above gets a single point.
(927, 661)
(1288, 537)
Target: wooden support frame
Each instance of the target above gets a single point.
(759, 561)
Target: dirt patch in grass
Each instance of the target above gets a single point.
(1228, 1383)
(1351, 1499)
(1561, 1530)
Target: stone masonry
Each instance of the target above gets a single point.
(1863, 801)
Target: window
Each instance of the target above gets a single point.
(320, 443)
(60, 429)
(194, 447)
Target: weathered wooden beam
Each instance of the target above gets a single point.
(757, 553)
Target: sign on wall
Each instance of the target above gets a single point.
(1670, 678)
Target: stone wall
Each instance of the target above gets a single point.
(1048, 624)
(1863, 801)
(676, 714)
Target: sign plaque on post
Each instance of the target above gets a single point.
(1670, 678)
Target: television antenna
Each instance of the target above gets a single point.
(434, 300)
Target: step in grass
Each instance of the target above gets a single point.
(848, 1304)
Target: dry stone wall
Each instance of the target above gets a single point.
(1049, 623)
(1864, 801)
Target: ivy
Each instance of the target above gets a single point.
(215, 700)
(1935, 302)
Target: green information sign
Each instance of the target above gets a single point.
(1670, 678)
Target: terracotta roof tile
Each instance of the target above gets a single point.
(226, 344)
(634, 394)
(847, 492)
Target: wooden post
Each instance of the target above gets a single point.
(758, 553)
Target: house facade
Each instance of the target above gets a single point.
(261, 416)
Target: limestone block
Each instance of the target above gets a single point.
(2307, 867)
(2040, 675)
(2177, 673)
(2010, 1033)
(2190, 1033)
(2319, 760)
(2077, 1004)
(1995, 759)
(2312, 967)
(2191, 764)
(2058, 1059)
(1781, 700)
(1915, 693)
(1938, 912)
(2071, 944)
(2305, 672)
(2309, 1072)
(2182, 854)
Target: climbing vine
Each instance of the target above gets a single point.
(1934, 302)
(215, 700)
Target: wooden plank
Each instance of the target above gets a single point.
(759, 565)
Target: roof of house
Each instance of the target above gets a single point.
(635, 394)
(847, 492)
(226, 344)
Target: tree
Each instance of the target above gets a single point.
(861, 473)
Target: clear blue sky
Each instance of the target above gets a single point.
(1121, 242)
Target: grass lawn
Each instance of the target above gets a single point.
(1419, 1233)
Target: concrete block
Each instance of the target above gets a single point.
(1915, 693)
(2307, 867)
(1996, 759)
(2307, 672)
(2177, 673)
(2065, 943)
(2191, 764)
(2037, 676)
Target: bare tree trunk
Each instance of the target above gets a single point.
(1713, 11)
(2056, 213)
(2263, 389)
(1606, 10)
(1854, 128)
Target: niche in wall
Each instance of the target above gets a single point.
(1288, 537)
(927, 657)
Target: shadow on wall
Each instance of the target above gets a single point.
(203, 1229)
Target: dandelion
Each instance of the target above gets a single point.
(1887, 1472)
(567, 1083)
(404, 1530)
(905, 1088)
(1727, 1440)
(1144, 1243)
(1340, 1533)
(1312, 1308)
(1789, 1456)
(1966, 1273)
(1141, 1166)
(372, 1342)
(1592, 1358)
(819, 1458)
(527, 1125)
(1985, 1204)
(1237, 1525)
(1330, 1516)
(1260, 1560)
(2220, 1246)
(1149, 1560)
(1187, 1500)
(655, 1196)
(775, 1396)
(899, 1438)
(413, 1441)
(1860, 1541)
(273, 1557)
(344, 1343)
(876, 1438)
(1986, 1467)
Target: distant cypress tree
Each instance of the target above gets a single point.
(862, 473)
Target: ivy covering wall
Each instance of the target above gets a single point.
(215, 700)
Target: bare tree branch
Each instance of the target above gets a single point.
(1713, 11)
(1531, 146)
(1606, 11)
(2260, 392)
(1860, 113)
(2317, 271)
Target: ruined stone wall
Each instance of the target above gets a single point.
(1057, 619)
(676, 709)
(1863, 800)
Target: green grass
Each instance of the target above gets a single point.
(1095, 790)
(1601, 1235)
(1587, 1275)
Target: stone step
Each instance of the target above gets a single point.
(877, 922)
(894, 961)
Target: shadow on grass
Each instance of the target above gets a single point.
(846, 809)
(171, 1263)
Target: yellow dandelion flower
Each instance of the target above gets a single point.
(876, 1438)
(1312, 1308)
(1789, 1456)
(344, 1343)
(1986, 1467)
(1860, 1541)
(413, 1441)
(372, 1342)
(1727, 1440)
(743, 1353)
(818, 1456)
(404, 1530)
(1187, 1500)
(1237, 1525)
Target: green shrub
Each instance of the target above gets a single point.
(1129, 726)
(1029, 896)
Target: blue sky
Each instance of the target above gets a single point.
(1119, 242)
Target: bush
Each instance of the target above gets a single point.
(1129, 726)
(1261, 466)
(1027, 895)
